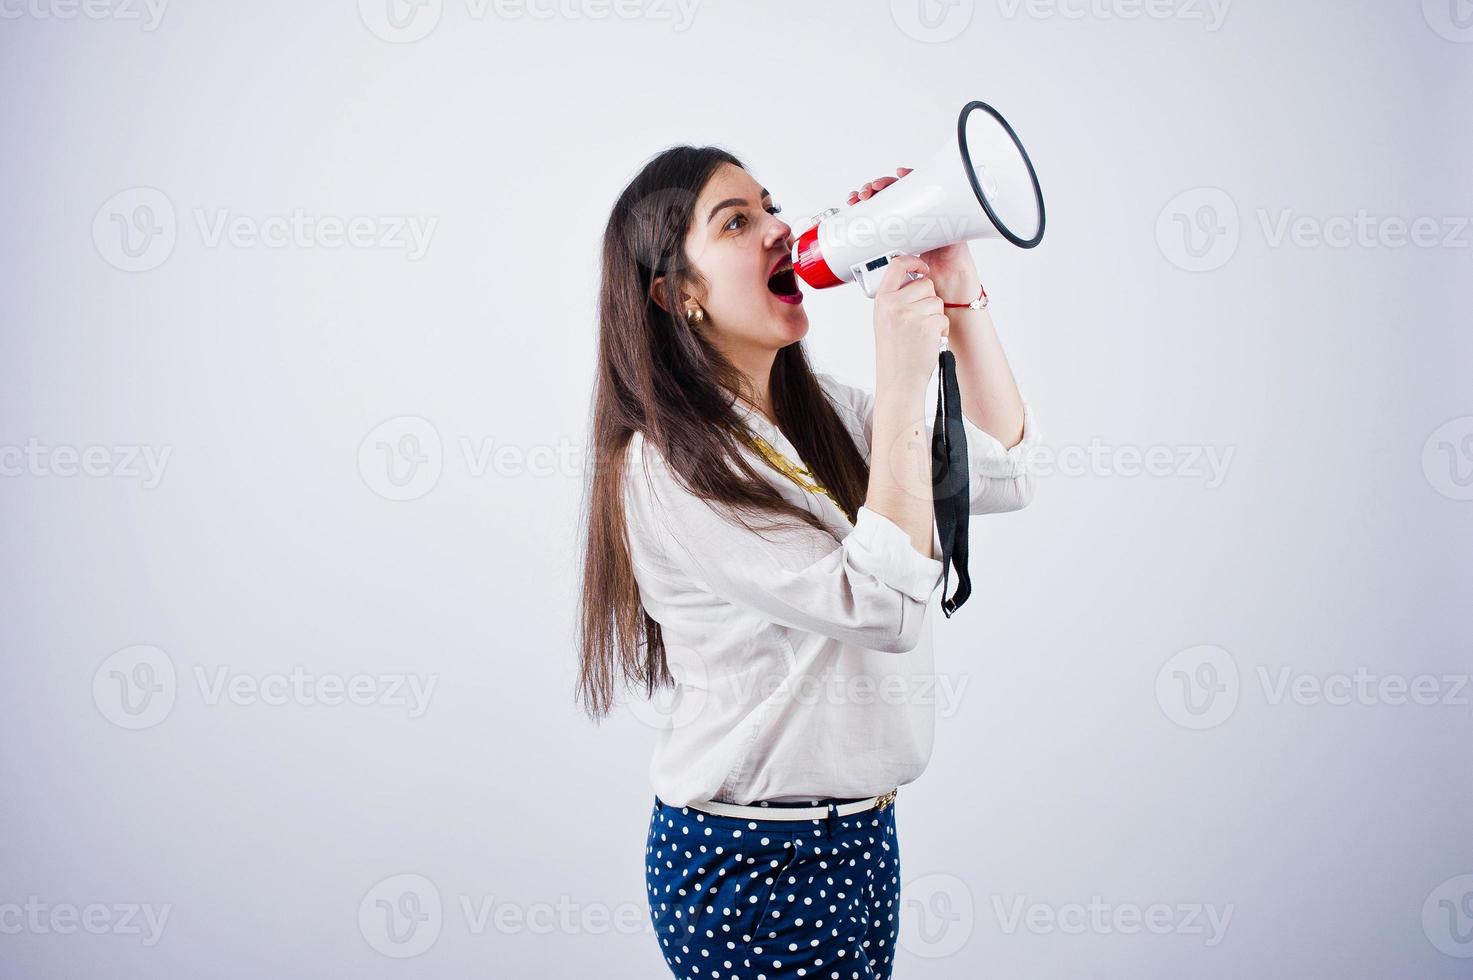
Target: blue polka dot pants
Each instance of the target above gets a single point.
(736, 899)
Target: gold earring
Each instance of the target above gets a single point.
(695, 315)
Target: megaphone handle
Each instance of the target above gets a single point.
(868, 274)
(869, 278)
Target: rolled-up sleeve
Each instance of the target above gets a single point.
(1001, 479)
(872, 589)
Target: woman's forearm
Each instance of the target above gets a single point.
(900, 460)
(990, 397)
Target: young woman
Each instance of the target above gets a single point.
(761, 536)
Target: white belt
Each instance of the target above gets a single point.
(793, 812)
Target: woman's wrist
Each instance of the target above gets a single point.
(900, 397)
(959, 288)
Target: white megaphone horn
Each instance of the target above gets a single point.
(978, 184)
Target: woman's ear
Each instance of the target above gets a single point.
(657, 293)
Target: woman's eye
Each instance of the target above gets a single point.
(774, 209)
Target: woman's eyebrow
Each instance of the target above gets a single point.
(742, 201)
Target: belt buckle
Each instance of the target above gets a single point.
(887, 799)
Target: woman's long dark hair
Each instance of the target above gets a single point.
(661, 376)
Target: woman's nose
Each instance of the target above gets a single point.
(780, 233)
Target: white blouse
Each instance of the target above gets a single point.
(802, 659)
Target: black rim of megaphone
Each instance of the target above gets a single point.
(961, 138)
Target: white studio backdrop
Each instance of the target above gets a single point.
(294, 376)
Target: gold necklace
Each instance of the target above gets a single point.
(801, 475)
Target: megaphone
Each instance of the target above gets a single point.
(977, 184)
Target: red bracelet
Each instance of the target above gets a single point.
(980, 303)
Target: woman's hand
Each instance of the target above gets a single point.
(952, 267)
(909, 325)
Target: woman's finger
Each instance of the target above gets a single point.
(895, 276)
(871, 188)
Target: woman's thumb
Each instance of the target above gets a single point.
(896, 275)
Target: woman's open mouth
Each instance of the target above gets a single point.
(783, 283)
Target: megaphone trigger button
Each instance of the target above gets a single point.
(821, 215)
